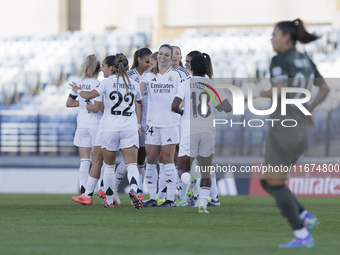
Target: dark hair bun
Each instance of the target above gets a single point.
(199, 64)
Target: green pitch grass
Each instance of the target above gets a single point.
(54, 224)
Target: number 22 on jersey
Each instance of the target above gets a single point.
(117, 97)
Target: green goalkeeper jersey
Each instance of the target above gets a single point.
(293, 69)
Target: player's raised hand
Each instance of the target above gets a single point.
(74, 87)
(219, 108)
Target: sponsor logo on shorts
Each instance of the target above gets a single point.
(169, 140)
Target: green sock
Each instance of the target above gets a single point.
(287, 204)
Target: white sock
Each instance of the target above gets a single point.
(185, 177)
(133, 176)
(151, 178)
(141, 177)
(109, 180)
(204, 193)
(213, 190)
(161, 182)
(301, 233)
(84, 170)
(120, 173)
(101, 183)
(90, 186)
(182, 188)
(303, 214)
(170, 180)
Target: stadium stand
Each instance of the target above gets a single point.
(36, 72)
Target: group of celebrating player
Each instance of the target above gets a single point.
(139, 113)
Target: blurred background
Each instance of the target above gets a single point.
(43, 44)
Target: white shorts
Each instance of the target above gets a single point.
(98, 138)
(142, 137)
(113, 141)
(85, 137)
(202, 144)
(162, 135)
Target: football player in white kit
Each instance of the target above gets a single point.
(193, 188)
(139, 66)
(176, 63)
(153, 61)
(197, 130)
(87, 123)
(97, 161)
(163, 132)
(120, 129)
(188, 58)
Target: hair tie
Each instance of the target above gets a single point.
(296, 23)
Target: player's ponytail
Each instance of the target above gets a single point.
(121, 64)
(91, 66)
(209, 65)
(297, 31)
(140, 54)
(135, 60)
(201, 65)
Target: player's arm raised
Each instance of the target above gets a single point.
(84, 94)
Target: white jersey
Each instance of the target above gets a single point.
(87, 119)
(134, 75)
(199, 107)
(100, 98)
(119, 112)
(161, 92)
(184, 73)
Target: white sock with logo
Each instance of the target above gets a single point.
(182, 188)
(120, 174)
(101, 182)
(151, 179)
(133, 176)
(141, 177)
(170, 180)
(109, 180)
(90, 186)
(213, 190)
(161, 182)
(204, 193)
(84, 170)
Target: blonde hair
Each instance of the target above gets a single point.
(91, 66)
(154, 56)
(180, 52)
(121, 64)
